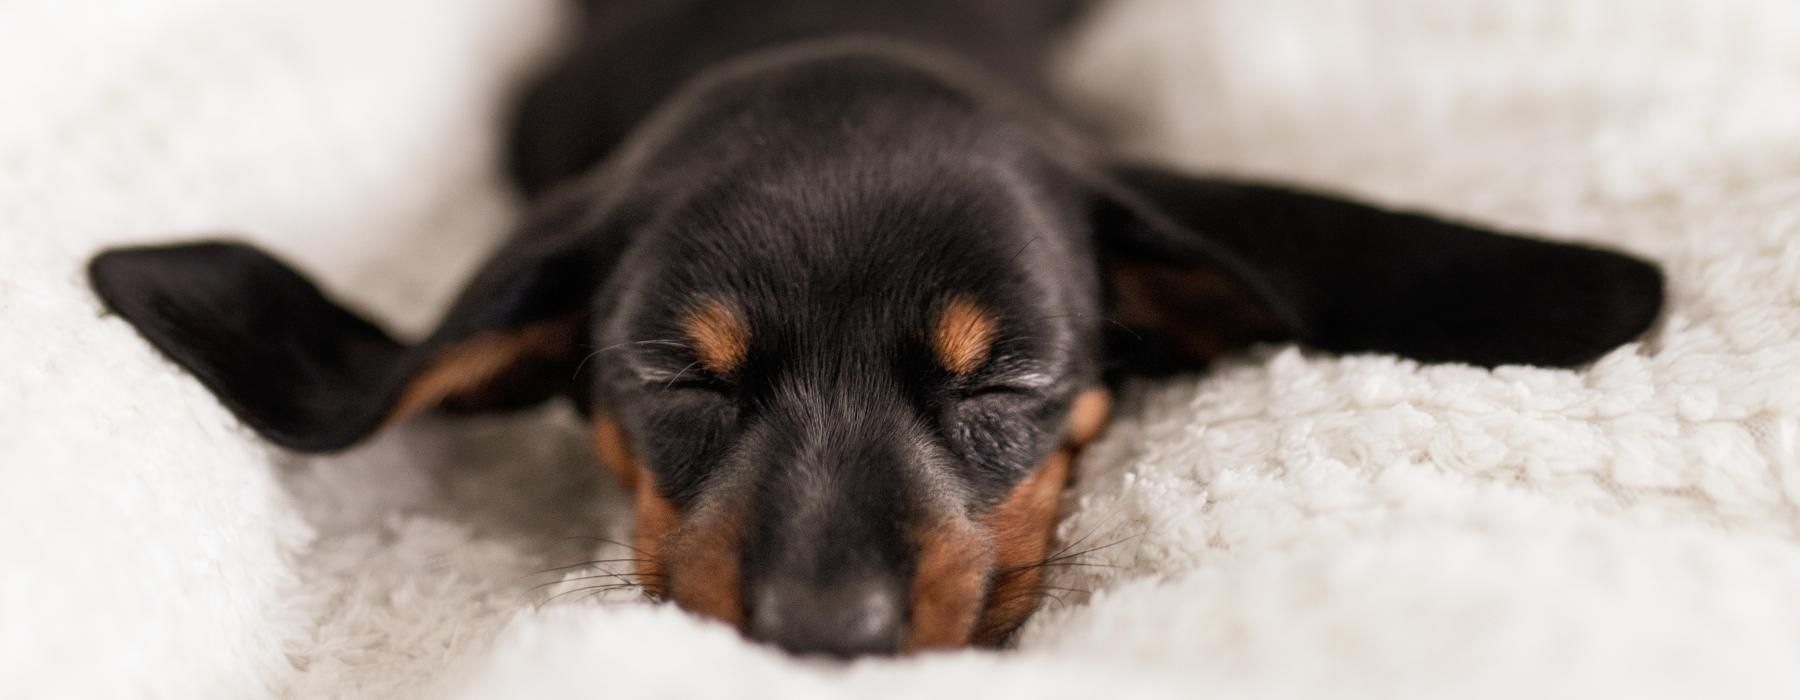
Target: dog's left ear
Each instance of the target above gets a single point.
(1198, 266)
(311, 375)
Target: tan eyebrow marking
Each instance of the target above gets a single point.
(720, 337)
(964, 336)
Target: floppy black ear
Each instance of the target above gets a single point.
(310, 375)
(1202, 265)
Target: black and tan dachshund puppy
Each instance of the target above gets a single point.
(842, 293)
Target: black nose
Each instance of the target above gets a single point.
(843, 620)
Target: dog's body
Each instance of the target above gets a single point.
(630, 57)
(842, 295)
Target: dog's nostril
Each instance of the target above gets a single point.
(843, 621)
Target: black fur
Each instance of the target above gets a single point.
(836, 172)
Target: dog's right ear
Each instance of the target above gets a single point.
(310, 375)
(1202, 265)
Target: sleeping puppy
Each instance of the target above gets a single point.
(842, 295)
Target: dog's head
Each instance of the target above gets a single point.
(849, 443)
(845, 383)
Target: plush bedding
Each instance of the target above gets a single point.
(1292, 524)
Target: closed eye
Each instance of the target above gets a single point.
(1027, 384)
(1003, 390)
(691, 377)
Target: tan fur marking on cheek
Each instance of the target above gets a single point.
(703, 568)
(657, 521)
(656, 517)
(964, 337)
(947, 587)
(473, 363)
(1022, 527)
(1088, 416)
(692, 561)
(720, 338)
(614, 449)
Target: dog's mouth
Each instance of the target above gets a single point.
(975, 580)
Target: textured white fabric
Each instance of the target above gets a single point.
(1291, 525)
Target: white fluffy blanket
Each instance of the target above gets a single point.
(1292, 525)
